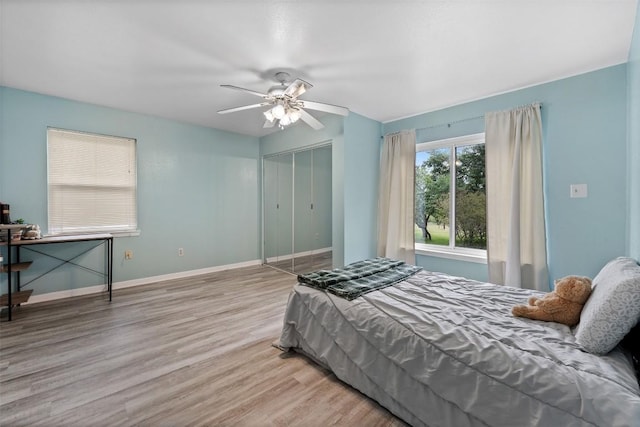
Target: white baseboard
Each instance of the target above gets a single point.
(50, 296)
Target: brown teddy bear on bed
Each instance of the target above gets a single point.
(563, 305)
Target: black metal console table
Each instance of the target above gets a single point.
(16, 266)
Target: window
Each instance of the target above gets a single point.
(91, 183)
(450, 198)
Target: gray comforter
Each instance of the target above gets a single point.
(445, 351)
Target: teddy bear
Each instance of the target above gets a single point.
(31, 232)
(563, 305)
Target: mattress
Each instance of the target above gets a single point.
(440, 350)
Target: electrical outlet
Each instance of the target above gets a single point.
(128, 254)
(578, 191)
(180, 252)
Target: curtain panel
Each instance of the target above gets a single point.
(396, 198)
(516, 242)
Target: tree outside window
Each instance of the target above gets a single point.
(451, 212)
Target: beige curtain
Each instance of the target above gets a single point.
(395, 201)
(516, 244)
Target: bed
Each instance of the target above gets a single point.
(440, 350)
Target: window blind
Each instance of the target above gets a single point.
(91, 182)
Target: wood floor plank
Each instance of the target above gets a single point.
(186, 352)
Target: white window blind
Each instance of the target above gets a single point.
(91, 183)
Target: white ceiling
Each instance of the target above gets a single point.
(381, 59)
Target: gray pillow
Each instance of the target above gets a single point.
(613, 307)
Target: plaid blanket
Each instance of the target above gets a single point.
(321, 279)
(360, 277)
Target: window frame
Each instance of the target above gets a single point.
(451, 251)
(133, 229)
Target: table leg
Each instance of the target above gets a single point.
(110, 267)
(9, 261)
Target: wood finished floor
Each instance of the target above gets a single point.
(193, 352)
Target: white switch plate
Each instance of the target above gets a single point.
(578, 190)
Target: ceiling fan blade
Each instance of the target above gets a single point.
(328, 108)
(268, 124)
(310, 120)
(244, 107)
(297, 88)
(253, 92)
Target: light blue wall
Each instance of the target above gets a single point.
(300, 136)
(197, 187)
(633, 73)
(337, 193)
(470, 270)
(584, 142)
(361, 174)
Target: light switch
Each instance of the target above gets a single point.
(578, 190)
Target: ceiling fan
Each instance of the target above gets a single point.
(286, 108)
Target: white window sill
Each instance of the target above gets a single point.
(478, 256)
(133, 233)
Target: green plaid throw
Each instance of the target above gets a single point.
(360, 277)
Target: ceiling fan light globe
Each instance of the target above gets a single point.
(278, 111)
(285, 120)
(294, 115)
(269, 115)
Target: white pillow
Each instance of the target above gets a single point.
(613, 307)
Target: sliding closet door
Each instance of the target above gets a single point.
(297, 210)
(322, 208)
(270, 209)
(285, 211)
(278, 207)
(303, 210)
(312, 210)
